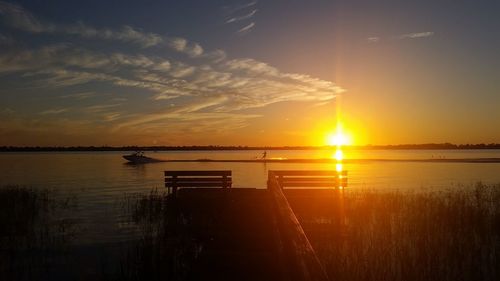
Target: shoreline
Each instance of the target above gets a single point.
(445, 146)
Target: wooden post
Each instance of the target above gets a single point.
(224, 181)
(174, 185)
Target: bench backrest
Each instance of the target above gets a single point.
(311, 178)
(178, 179)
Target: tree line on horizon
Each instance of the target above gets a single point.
(241, 147)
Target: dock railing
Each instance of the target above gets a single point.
(300, 259)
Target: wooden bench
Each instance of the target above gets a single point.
(178, 179)
(311, 178)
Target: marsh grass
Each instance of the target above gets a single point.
(32, 232)
(446, 235)
(165, 249)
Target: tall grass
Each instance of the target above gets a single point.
(446, 235)
(165, 249)
(31, 232)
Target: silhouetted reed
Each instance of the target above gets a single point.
(165, 249)
(32, 232)
(445, 235)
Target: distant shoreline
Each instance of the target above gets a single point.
(444, 146)
(333, 161)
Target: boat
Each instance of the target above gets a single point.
(138, 157)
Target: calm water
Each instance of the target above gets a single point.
(100, 180)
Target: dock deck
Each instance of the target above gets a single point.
(238, 233)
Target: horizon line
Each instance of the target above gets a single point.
(6, 148)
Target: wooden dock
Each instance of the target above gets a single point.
(258, 234)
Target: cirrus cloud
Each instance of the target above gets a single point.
(197, 86)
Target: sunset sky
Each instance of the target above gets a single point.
(268, 72)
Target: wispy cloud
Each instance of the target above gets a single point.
(20, 18)
(79, 96)
(246, 28)
(97, 108)
(236, 8)
(192, 111)
(204, 86)
(182, 45)
(242, 17)
(241, 13)
(416, 35)
(251, 66)
(17, 17)
(373, 39)
(54, 111)
(247, 82)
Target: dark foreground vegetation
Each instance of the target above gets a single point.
(165, 251)
(445, 235)
(449, 235)
(34, 233)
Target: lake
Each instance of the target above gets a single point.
(100, 180)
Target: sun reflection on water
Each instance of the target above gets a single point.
(339, 155)
(339, 167)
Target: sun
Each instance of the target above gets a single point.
(338, 138)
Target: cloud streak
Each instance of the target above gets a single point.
(237, 8)
(79, 96)
(246, 28)
(416, 35)
(407, 36)
(237, 15)
(54, 111)
(243, 17)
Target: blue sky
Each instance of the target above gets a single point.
(248, 72)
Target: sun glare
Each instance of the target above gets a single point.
(338, 139)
